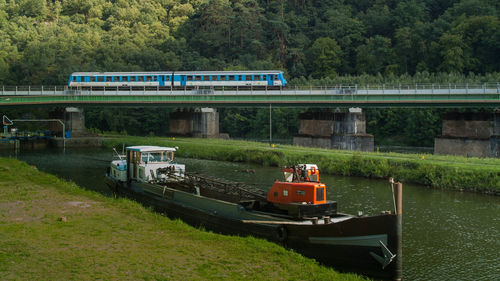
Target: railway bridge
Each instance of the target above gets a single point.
(343, 127)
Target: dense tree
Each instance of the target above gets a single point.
(314, 42)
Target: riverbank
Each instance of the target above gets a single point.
(480, 175)
(53, 229)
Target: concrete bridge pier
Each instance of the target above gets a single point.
(469, 134)
(73, 118)
(334, 130)
(198, 122)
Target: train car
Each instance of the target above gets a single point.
(267, 78)
(180, 79)
(119, 79)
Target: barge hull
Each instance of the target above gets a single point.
(346, 245)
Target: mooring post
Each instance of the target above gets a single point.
(398, 198)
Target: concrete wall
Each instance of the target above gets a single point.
(310, 141)
(478, 129)
(350, 123)
(469, 134)
(73, 118)
(339, 130)
(463, 147)
(202, 122)
(353, 142)
(320, 128)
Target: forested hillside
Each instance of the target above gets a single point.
(42, 42)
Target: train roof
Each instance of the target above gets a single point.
(176, 72)
(229, 72)
(121, 73)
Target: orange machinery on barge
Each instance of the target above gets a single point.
(301, 194)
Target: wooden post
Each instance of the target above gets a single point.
(398, 197)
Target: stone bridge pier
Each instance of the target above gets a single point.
(199, 122)
(469, 134)
(73, 118)
(334, 130)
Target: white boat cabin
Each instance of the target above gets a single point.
(147, 164)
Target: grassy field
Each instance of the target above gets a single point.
(54, 230)
(438, 171)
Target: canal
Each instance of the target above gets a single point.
(446, 235)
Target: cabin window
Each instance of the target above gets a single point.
(149, 78)
(189, 78)
(133, 78)
(285, 192)
(301, 192)
(92, 79)
(214, 78)
(206, 78)
(140, 78)
(320, 194)
(197, 78)
(275, 77)
(248, 78)
(231, 77)
(74, 78)
(223, 78)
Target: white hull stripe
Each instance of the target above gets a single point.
(368, 240)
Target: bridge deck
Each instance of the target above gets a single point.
(479, 96)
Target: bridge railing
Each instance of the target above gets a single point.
(33, 90)
(361, 89)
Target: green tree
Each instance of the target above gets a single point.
(324, 57)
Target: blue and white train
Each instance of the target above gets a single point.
(178, 79)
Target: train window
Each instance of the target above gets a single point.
(223, 78)
(133, 78)
(214, 78)
(275, 77)
(149, 78)
(167, 78)
(155, 78)
(197, 78)
(206, 78)
(92, 79)
(74, 78)
(100, 79)
(140, 78)
(189, 78)
(248, 78)
(231, 77)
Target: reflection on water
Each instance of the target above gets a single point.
(446, 235)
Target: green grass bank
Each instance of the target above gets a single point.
(437, 171)
(51, 229)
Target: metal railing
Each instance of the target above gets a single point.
(365, 89)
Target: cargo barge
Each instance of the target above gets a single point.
(294, 213)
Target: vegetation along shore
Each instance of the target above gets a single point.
(480, 175)
(54, 230)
